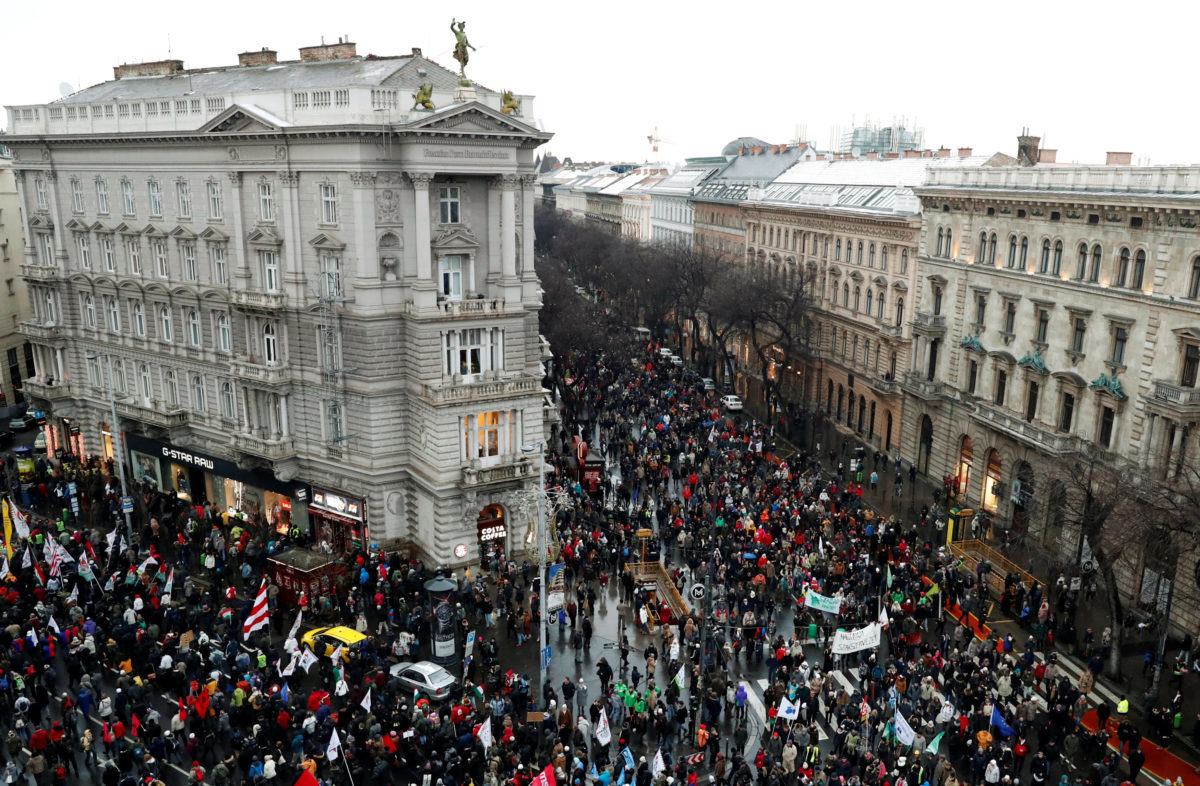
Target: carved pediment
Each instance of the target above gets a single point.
(214, 235)
(473, 118)
(125, 229)
(458, 238)
(153, 231)
(327, 242)
(183, 233)
(239, 119)
(75, 225)
(263, 236)
(41, 222)
(100, 226)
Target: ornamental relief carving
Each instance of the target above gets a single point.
(387, 206)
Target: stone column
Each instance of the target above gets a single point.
(26, 212)
(290, 181)
(1172, 462)
(1147, 439)
(364, 219)
(241, 267)
(60, 242)
(420, 182)
(508, 225)
(528, 182)
(495, 228)
(283, 418)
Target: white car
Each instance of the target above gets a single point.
(708, 383)
(676, 360)
(665, 352)
(430, 679)
(732, 403)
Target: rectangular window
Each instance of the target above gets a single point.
(47, 250)
(76, 195)
(127, 201)
(1001, 385)
(1067, 413)
(1010, 317)
(1107, 420)
(215, 202)
(133, 254)
(972, 377)
(270, 270)
(85, 251)
(329, 203)
(162, 265)
(980, 309)
(183, 197)
(266, 201)
(154, 190)
(336, 421)
(188, 252)
(101, 195)
(473, 351)
(220, 267)
(1043, 325)
(452, 275)
(1191, 364)
(106, 249)
(449, 205)
(1120, 339)
(39, 185)
(1031, 401)
(489, 435)
(331, 276)
(1078, 332)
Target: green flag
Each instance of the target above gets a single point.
(932, 747)
(889, 576)
(679, 678)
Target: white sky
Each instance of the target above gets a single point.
(1088, 76)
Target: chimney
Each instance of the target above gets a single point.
(756, 150)
(416, 51)
(1119, 159)
(943, 152)
(926, 154)
(891, 155)
(1047, 156)
(1027, 150)
(154, 68)
(963, 152)
(742, 151)
(260, 58)
(872, 155)
(783, 148)
(342, 50)
(912, 153)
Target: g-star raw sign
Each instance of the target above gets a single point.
(187, 458)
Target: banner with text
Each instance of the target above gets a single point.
(847, 641)
(823, 603)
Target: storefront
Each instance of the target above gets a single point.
(339, 520)
(492, 531)
(199, 479)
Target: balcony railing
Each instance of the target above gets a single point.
(274, 449)
(1031, 434)
(515, 469)
(921, 387)
(929, 321)
(1176, 396)
(262, 301)
(41, 272)
(40, 331)
(260, 372)
(152, 413)
(465, 308)
(39, 388)
(475, 391)
(883, 385)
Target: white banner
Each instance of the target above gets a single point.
(904, 732)
(603, 733)
(847, 641)
(823, 603)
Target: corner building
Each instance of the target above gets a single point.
(312, 300)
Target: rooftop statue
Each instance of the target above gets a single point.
(423, 98)
(509, 104)
(460, 48)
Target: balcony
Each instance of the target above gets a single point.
(260, 373)
(929, 322)
(259, 301)
(272, 449)
(1174, 398)
(40, 389)
(41, 272)
(920, 387)
(883, 385)
(460, 392)
(513, 468)
(891, 330)
(1031, 434)
(468, 307)
(152, 413)
(37, 330)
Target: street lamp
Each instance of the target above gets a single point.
(116, 435)
(540, 448)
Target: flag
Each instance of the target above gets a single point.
(27, 560)
(170, 583)
(336, 657)
(934, 744)
(226, 614)
(603, 733)
(787, 710)
(136, 724)
(889, 575)
(146, 565)
(864, 710)
(291, 667)
(621, 778)
(335, 742)
(998, 722)
(307, 659)
(296, 625)
(821, 545)
(416, 696)
(904, 733)
(33, 635)
(594, 773)
(545, 777)
(366, 702)
(285, 693)
(20, 520)
(679, 678)
(933, 589)
(258, 613)
(478, 694)
(4, 571)
(628, 757)
(85, 568)
(63, 554)
(111, 583)
(306, 779)
(182, 710)
(54, 625)
(883, 616)
(74, 593)
(659, 765)
(41, 574)
(675, 648)
(7, 529)
(484, 733)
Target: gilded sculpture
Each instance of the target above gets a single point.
(509, 104)
(423, 98)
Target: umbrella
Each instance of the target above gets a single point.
(749, 555)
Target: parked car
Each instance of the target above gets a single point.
(708, 383)
(22, 423)
(676, 360)
(642, 333)
(430, 679)
(665, 352)
(323, 641)
(732, 403)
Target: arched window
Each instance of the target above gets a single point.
(172, 386)
(857, 298)
(860, 245)
(1024, 251)
(941, 240)
(1044, 265)
(1012, 251)
(899, 312)
(982, 247)
(197, 392)
(227, 399)
(1139, 270)
(871, 258)
(1058, 252)
(144, 376)
(904, 261)
(114, 315)
(139, 320)
(833, 296)
(270, 346)
(867, 353)
(949, 242)
(879, 306)
(89, 311)
(164, 321)
(194, 327)
(837, 250)
(846, 295)
(883, 259)
(992, 250)
(1122, 269)
(1094, 272)
(1194, 282)
(1081, 265)
(870, 302)
(223, 332)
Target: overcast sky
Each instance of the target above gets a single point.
(1087, 76)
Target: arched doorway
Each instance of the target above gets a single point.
(492, 532)
(925, 445)
(841, 401)
(106, 436)
(1022, 496)
(862, 413)
(1056, 513)
(966, 462)
(990, 500)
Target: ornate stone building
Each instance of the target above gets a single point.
(312, 299)
(16, 355)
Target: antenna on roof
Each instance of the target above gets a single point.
(168, 46)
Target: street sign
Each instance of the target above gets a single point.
(72, 488)
(697, 591)
(127, 504)
(546, 658)
(695, 758)
(470, 640)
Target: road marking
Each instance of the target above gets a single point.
(845, 683)
(1075, 672)
(821, 735)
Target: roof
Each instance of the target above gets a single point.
(682, 182)
(733, 147)
(643, 187)
(628, 181)
(876, 172)
(357, 72)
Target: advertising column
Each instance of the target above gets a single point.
(442, 621)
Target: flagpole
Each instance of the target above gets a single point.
(348, 773)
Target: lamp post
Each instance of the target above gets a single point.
(116, 436)
(540, 448)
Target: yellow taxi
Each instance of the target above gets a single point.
(323, 641)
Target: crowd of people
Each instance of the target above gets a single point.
(122, 653)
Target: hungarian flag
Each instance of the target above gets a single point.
(41, 574)
(111, 584)
(258, 613)
(85, 568)
(227, 614)
(170, 584)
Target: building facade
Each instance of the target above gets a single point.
(1057, 307)
(671, 208)
(15, 351)
(310, 302)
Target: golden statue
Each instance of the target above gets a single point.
(423, 98)
(509, 105)
(461, 46)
